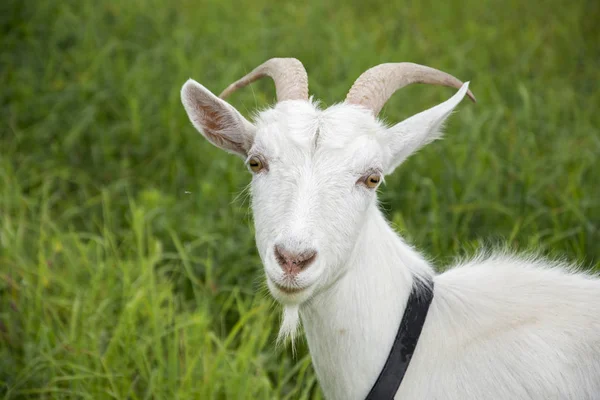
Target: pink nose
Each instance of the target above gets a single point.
(293, 262)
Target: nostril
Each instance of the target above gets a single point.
(281, 260)
(294, 262)
(307, 258)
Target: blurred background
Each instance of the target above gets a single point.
(127, 262)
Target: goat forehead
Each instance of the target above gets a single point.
(343, 125)
(301, 127)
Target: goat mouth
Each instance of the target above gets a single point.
(287, 290)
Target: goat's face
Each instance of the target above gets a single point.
(315, 174)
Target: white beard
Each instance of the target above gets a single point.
(289, 324)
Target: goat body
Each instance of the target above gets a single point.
(498, 327)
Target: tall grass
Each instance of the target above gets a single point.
(127, 262)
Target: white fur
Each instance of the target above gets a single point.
(500, 327)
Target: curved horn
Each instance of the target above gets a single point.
(289, 75)
(376, 85)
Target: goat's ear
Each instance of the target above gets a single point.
(415, 132)
(217, 120)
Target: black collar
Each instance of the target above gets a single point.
(395, 367)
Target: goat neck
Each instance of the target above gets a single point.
(350, 326)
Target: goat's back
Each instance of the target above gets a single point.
(508, 328)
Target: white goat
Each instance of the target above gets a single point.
(499, 327)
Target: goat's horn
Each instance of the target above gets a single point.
(289, 75)
(376, 85)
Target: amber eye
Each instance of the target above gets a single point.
(373, 180)
(255, 164)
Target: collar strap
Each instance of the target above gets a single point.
(404, 345)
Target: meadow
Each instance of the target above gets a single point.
(127, 262)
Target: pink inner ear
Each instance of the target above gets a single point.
(208, 118)
(214, 126)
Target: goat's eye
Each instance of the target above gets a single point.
(373, 180)
(255, 164)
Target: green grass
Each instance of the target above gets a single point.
(127, 263)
